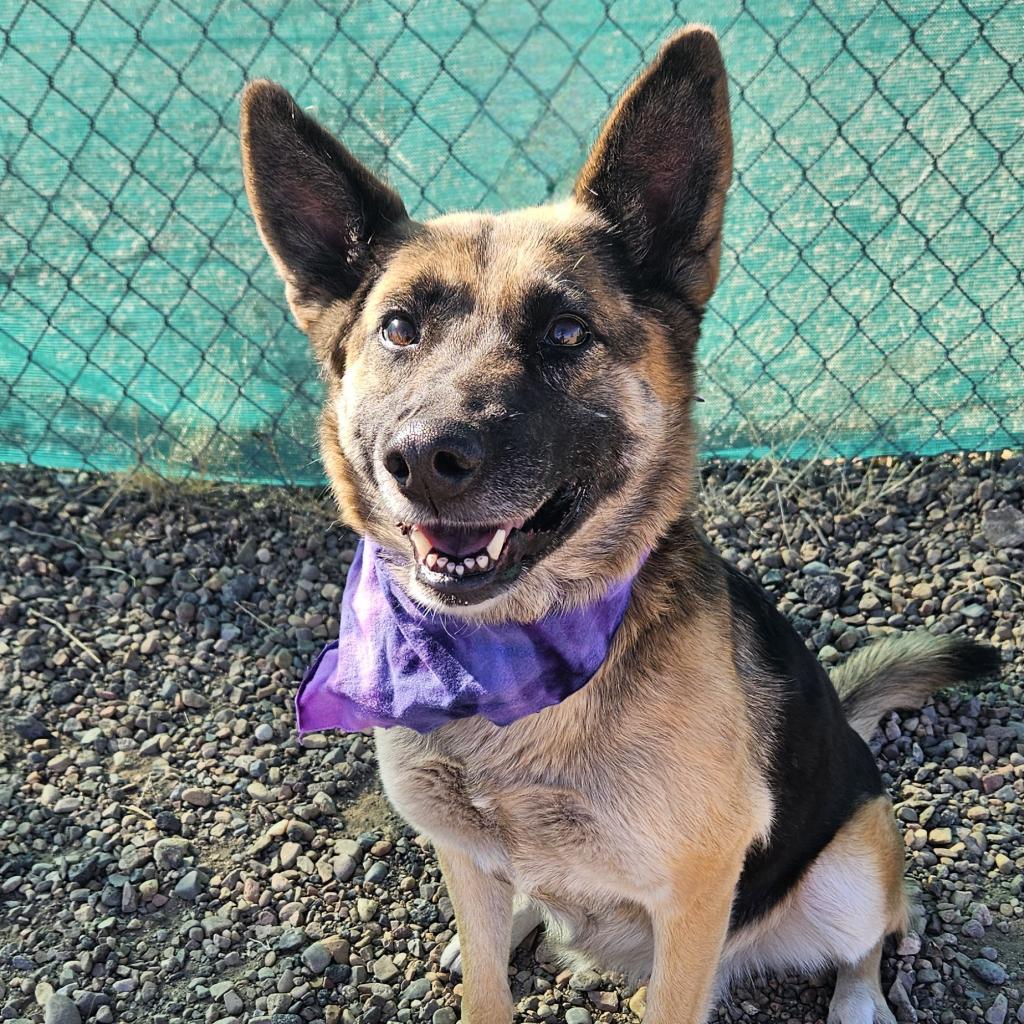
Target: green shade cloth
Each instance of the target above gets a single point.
(870, 300)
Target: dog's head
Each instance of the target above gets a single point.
(509, 396)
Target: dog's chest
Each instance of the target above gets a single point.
(542, 833)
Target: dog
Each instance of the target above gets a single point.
(706, 804)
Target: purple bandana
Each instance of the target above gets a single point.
(394, 664)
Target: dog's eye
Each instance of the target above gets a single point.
(567, 332)
(399, 332)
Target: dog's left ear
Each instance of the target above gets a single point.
(661, 167)
(322, 215)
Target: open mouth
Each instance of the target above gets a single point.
(467, 563)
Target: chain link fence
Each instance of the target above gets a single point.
(871, 297)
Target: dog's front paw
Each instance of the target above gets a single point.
(860, 1007)
(451, 958)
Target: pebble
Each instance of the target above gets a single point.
(377, 872)
(290, 940)
(418, 989)
(60, 1010)
(997, 1012)
(191, 884)
(638, 1002)
(384, 970)
(823, 590)
(317, 957)
(170, 853)
(584, 981)
(1004, 527)
(578, 1015)
(989, 972)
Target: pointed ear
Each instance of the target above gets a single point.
(662, 164)
(320, 212)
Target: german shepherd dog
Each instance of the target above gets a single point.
(707, 804)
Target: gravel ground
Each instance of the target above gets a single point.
(170, 852)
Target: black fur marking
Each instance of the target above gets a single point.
(429, 297)
(969, 660)
(542, 303)
(820, 770)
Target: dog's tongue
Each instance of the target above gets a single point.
(456, 541)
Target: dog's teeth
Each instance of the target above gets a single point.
(460, 570)
(420, 542)
(470, 562)
(442, 562)
(430, 560)
(497, 543)
(482, 561)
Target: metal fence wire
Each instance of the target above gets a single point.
(870, 300)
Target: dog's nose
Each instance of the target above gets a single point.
(434, 462)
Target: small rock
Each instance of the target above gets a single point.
(828, 654)
(197, 797)
(989, 972)
(384, 970)
(290, 940)
(62, 693)
(418, 989)
(150, 643)
(899, 999)
(638, 1000)
(343, 868)
(169, 854)
(317, 957)
(191, 885)
(61, 1010)
(578, 1015)
(31, 729)
(155, 745)
(1003, 527)
(996, 1013)
(377, 873)
(823, 590)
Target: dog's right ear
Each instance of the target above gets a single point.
(661, 166)
(321, 214)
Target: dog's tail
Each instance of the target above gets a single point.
(903, 670)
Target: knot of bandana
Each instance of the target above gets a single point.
(396, 664)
